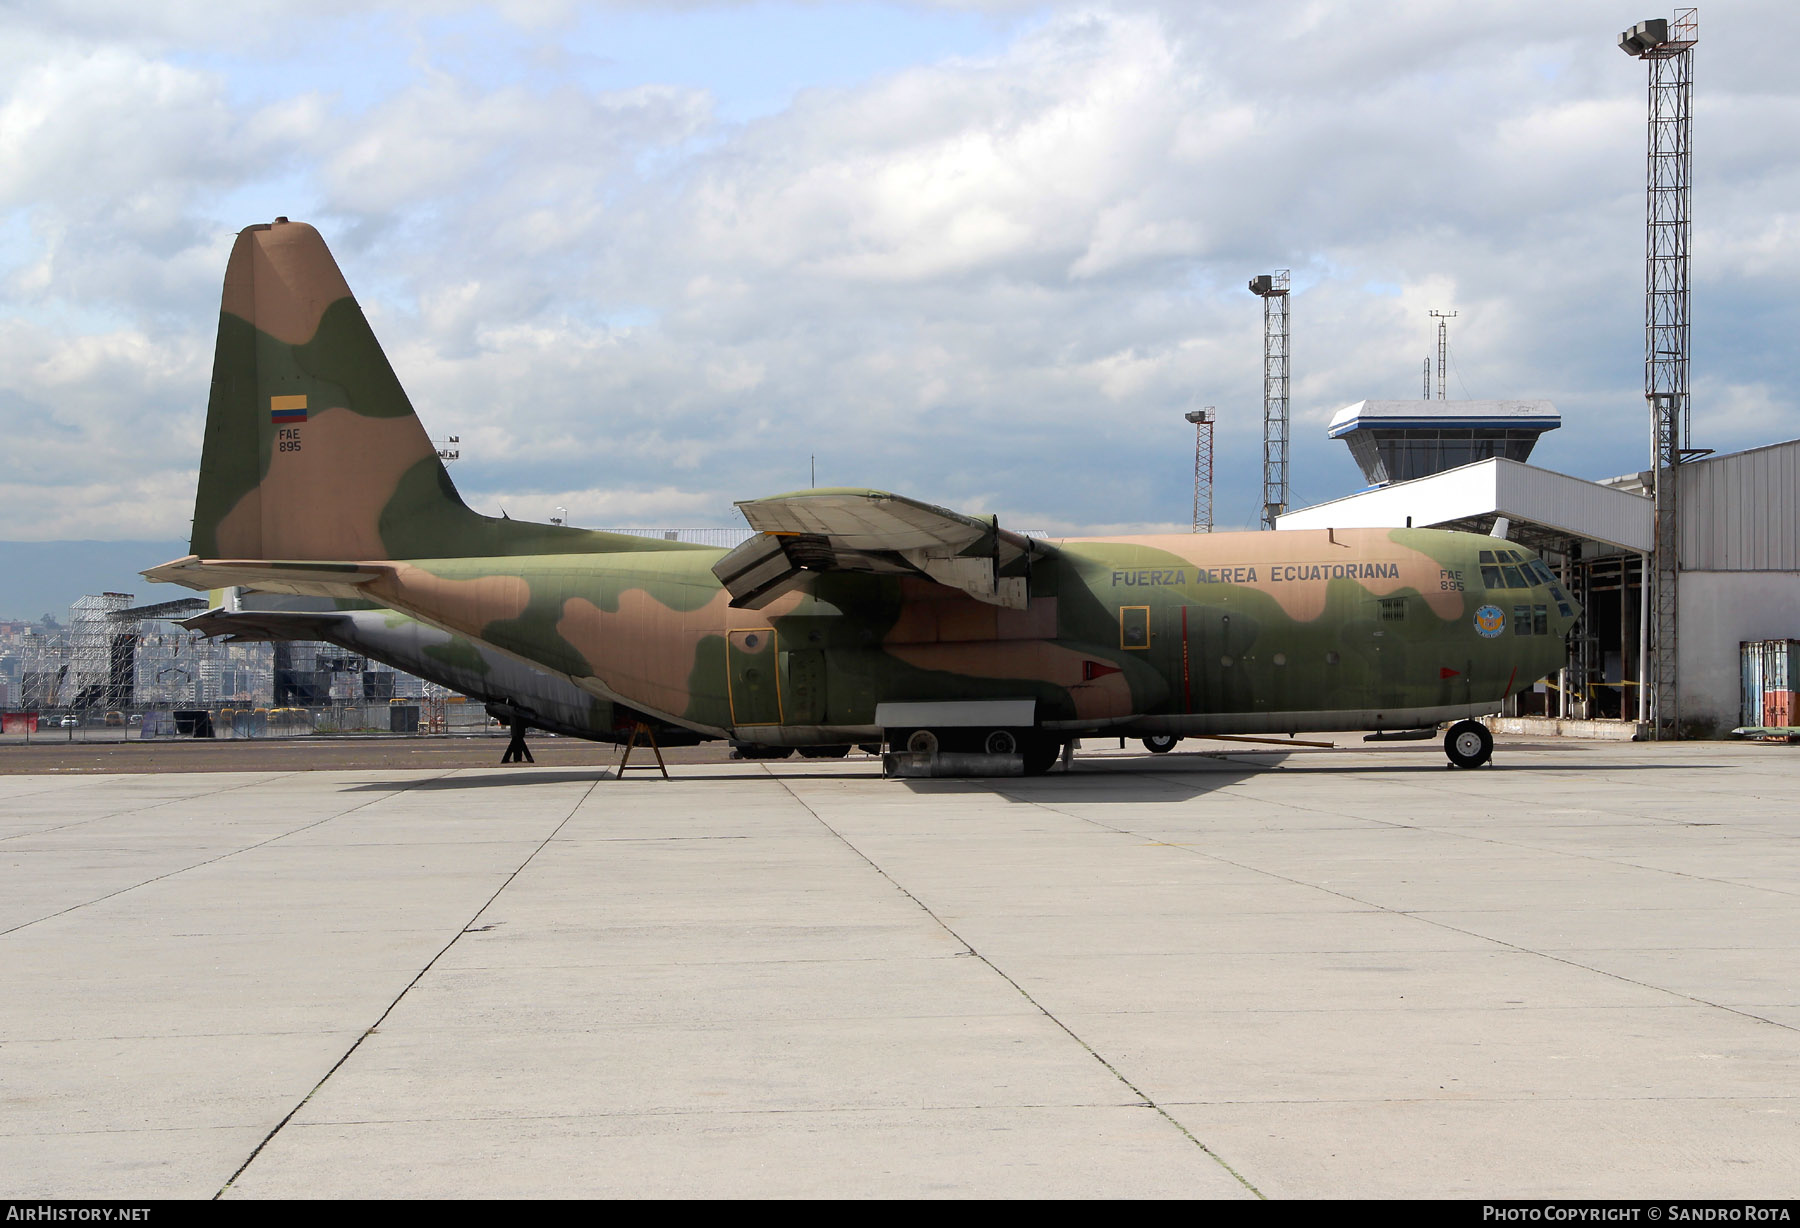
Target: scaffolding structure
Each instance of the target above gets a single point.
(102, 653)
(46, 669)
(1203, 467)
(1667, 47)
(1272, 288)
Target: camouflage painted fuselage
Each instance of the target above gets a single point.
(317, 478)
(510, 689)
(1245, 632)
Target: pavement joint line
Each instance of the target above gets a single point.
(1545, 849)
(1420, 916)
(429, 965)
(1461, 1099)
(1145, 1100)
(248, 848)
(836, 1110)
(101, 818)
(1536, 848)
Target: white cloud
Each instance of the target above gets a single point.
(992, 282)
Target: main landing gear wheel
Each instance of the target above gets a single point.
(922, 742)
(754, 751)
(1040, 753)
(1161, 743)
(1001, 742)
(1469, 744)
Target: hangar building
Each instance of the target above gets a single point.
(1739, 547)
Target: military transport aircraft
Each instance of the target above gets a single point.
(853, 615)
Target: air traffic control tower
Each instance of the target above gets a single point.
(1396, 441)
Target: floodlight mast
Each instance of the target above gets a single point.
(1667, 47)
(1443, 318)
(1203, 466)
(1272, 288)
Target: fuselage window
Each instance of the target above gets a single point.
(1540, 620)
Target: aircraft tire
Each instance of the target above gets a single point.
(1469, 744)
(1161, 743)
(922, 742)
(825, 752)
(1040, 752)
(1001, 742)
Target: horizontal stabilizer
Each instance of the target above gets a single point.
(262, 626)
(876, 533)
(311, 579)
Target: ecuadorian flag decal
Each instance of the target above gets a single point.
(287, 411)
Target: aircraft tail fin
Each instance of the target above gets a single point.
(312, 449)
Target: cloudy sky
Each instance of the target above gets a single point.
(646, 259)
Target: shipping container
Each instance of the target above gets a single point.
(1771, 674)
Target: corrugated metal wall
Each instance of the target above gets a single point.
(1742, 512)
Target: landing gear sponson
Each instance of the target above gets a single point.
(996, 737)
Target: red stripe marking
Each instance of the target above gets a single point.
(1187, 690)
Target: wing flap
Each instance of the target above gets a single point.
(873, 532)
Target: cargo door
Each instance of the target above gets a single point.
(803, 687)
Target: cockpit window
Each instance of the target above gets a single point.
(1490, 575)
(1487, 556)
(1514, 578)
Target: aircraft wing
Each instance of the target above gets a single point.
(305, 579)
(873, 532)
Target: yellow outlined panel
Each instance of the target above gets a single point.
(752, 677)
(1134, 627)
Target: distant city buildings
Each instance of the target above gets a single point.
(92, 663)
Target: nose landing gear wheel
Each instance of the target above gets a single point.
(1469, 744)
(1160, 743)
